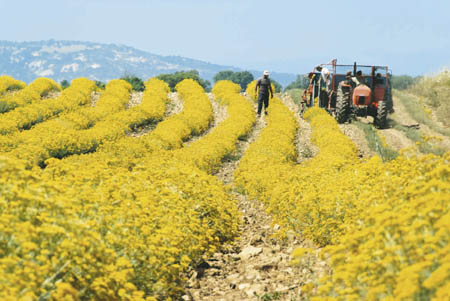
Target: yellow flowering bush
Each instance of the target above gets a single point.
(8, 83)
(207, 153)
(271, 155)
(151, 219)
(23, 118)
(127, 221)
(385, 226)
(83, 130)
(31, 93)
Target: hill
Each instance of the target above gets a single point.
(72, 59)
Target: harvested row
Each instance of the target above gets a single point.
(8, 83)
(207, 153)
(108, 232)
(24, 118)
(39, 88)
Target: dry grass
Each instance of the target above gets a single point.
(435, 91)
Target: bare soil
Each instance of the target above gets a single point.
(52, 94)
(358, 137)
(94, 98)
(135, 99)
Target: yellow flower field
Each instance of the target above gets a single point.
(88, 211)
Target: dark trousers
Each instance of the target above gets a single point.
(263, 98)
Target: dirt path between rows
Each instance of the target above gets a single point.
(358, 137)
(257, 265)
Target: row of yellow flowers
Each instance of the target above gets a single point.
(168, 134)
(39, 88)
(194, 119)
(207, 153)
(385, 225)
(38, 111)
(8, 83)
(51, 138)
(84, 130)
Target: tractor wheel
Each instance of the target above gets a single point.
(388, 100)
(382, 111)
(342, 106)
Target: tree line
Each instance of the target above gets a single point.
(242, 78)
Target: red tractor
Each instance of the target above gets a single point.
(354, 90)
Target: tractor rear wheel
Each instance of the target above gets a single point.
(342, 106)
(388, 99)
(382, 111)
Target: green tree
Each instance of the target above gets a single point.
(301, 82)
(65, 84)
(100, 84)
(223, 75)
(136, 82)
(278, 86)
(172, 79)
(242, 78)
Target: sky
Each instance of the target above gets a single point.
(411, 37)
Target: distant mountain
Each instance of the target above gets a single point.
(61, 60)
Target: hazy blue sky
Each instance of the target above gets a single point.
(288, 36)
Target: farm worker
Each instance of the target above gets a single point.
(264, 86)
(347, 81)
(359, 79)
(324, 74)
(324, 86)
(379, 79)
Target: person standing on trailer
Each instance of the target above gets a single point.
(264, 86)
(324, 86)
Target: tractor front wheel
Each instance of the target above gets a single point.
(381, 119)
(342, 106)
